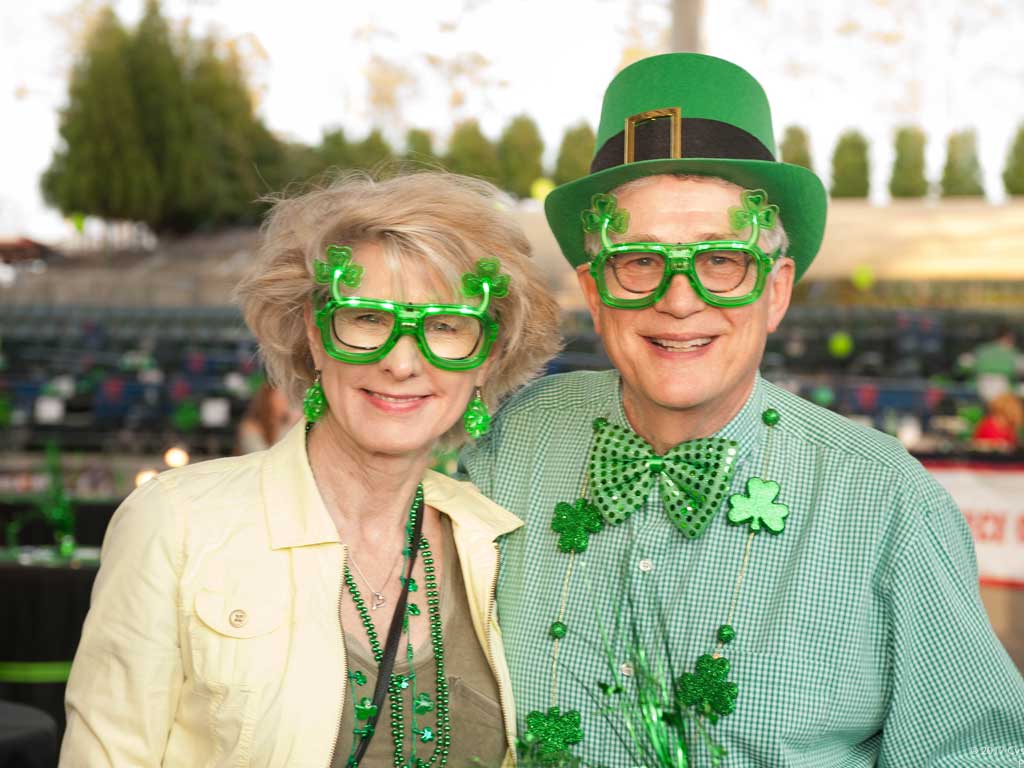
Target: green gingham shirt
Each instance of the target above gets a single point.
(861, 638)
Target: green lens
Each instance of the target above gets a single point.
(452, 336)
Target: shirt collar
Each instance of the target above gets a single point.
(296, 515)
(743, 428)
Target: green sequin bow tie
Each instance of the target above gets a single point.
(694, 476)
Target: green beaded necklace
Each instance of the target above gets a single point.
(421, 703)
(705, 694)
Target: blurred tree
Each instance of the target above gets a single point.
(101, 167)
(850, 170)
(908, 167)
(519, 153)
(335, 150)
(796, 147)
(419, 146)
(371, 152)
(1013, 174)
(961, 177)
(574, 153)
(471, 153)
(165, 118)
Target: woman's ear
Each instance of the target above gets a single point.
(316, 347)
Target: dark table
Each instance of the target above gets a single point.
(28, 737)
(43, 602)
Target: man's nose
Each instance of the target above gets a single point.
(680, 299)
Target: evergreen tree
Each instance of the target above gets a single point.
(101, 167)
(908, 167)
(164, 113)
(961, 176)
(519, 152)
(1013, 174)
(419, 146)
(850, 170)
(372, 152)
(796, 147)
(574, 154)
(335, 150)
(471, 153)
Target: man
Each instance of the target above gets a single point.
(709, 561)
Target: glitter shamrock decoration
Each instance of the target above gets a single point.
(758, 506)
(552, 733)
(754, 212)
(487, 271)
(338, 267)
(575, 523)
(707, 689)
(365, 708)
(604, 208)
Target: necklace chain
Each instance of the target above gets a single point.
(378, 594)
(399, 684)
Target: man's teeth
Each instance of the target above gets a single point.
(681, 345)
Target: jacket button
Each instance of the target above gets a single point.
(237, 618)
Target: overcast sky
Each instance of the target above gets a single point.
(826, 64)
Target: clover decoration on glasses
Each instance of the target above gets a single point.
(724, 273)
(360, 330)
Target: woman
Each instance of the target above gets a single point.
(396, 310)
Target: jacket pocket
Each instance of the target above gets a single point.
(239, 638)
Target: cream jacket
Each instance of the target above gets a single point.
(213, 636)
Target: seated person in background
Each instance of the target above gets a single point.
(1001, 426)
(268, 417)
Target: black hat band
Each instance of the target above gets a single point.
(652, 140)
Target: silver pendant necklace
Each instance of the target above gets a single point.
(376, 596)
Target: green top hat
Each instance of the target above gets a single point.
(686, 113)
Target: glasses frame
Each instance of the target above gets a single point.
(679, 260)
(409, 321)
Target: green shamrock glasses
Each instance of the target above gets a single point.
(724, 273)
(359, 330)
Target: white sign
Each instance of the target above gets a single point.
(991, 496)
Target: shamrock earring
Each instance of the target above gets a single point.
(314, 403)
(476, 419)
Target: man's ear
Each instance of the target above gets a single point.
(590, 294)
(780, 291)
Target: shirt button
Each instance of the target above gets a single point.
(646, 565)
(237, 618)
(626, 669)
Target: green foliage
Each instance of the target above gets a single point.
(961, 177)
(101, 166)
(1013, 174)
(161, 129)
(574, 154)
(908, 168)
(471, 153)
(335, 150)
(850, 170)
(796, 147)
(519, 152)
(371, 152)
(419, 146)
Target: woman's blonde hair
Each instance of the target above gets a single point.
(431, 219)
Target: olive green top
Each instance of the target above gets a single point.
(476, 725)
